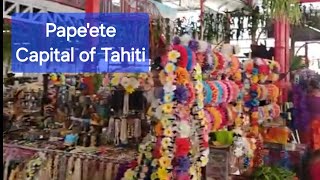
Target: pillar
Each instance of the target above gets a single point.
(92, 6)
(282, 53)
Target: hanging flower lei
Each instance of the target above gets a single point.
(201, 159)
(132, 81)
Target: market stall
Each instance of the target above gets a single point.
(200, 113)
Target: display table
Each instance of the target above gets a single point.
(99, 163)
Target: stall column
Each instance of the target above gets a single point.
(92, 6)
(281, 36)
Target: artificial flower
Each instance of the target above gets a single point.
(165, 152)
(183, 164)
(173, 55)
(154, 162)
(170, 78)
(154, 176)
(200, 104)
(165, 122)
(204, 160)
(158, 129)
(200, 97)
(192, 171)
(158, 113)
(163, 174)
(148, 155)
(169, 68)
(149, 148)
(199, 87)
(237, 76)
(124, 82)
(181, 94)
(182, 76)
(165, 162)
(168, 87)
(115, 81)
(183, 146)
(134, 82)
(167, 108)
(129, 89)
(255, 79)
(165, 142)
(198, 77)
(129, 174)
(200, 114)
(184, 129)
(198, 68)
(168, 132)
(168, 97)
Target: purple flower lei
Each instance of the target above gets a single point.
(176, 40)
(194, 45)
(181, 94)
(301, 115)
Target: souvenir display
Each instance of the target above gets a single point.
(23, 162)
(198, 98)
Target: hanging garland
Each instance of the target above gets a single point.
(130, 82)
(180, 146)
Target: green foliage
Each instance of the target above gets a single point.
(289, 9)
(98, 80)
(6, 48)
(273, 173)
(297, 63)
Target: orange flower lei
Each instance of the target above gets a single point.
(182, 76)
(273, 92)
(217, 118)
(235, 65)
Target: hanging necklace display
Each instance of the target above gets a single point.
(117, 131)
(85, 169)
(108, 175)
(56, 167)
(137, 129)
(77, 169)
(111, 130)
(123, 131)
(70, 167)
